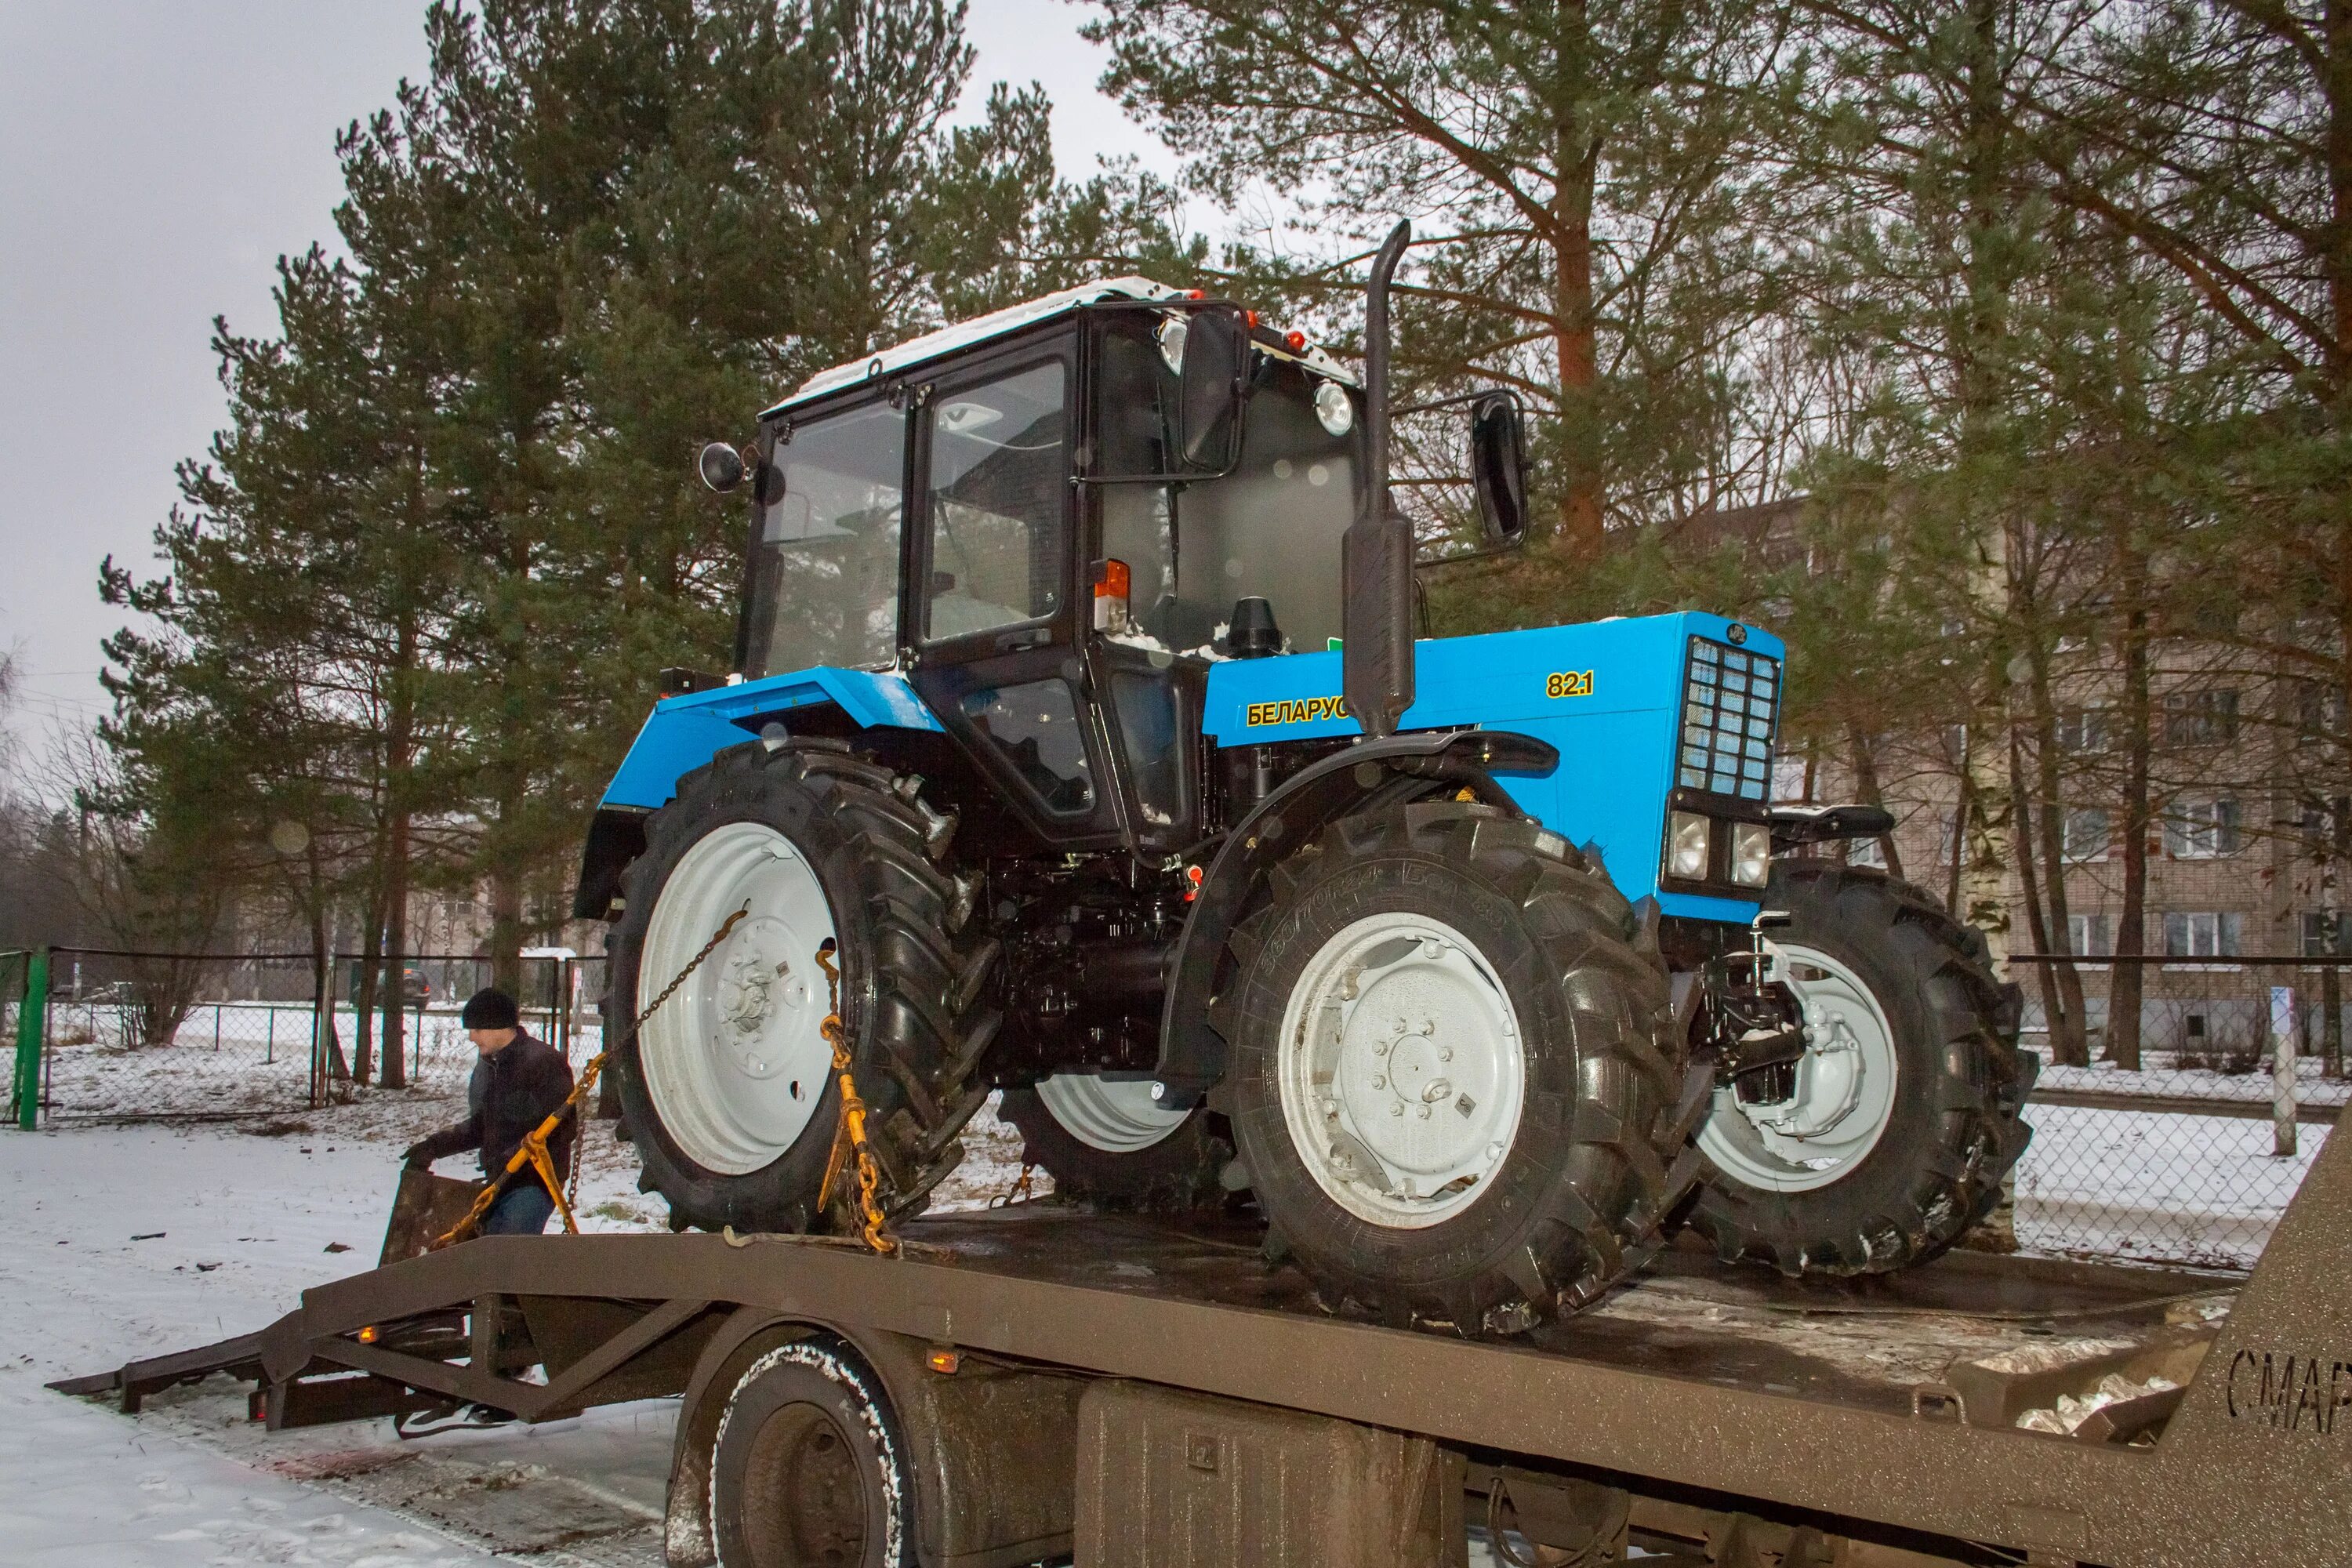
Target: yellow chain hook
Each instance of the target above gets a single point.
(875, 1225)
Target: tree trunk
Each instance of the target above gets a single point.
(1868, 793)
(1575, 341)
(2059, 1018)
(2331, 978)
(2069, 1043)
(2138, 742)
(400, 743)
(506, 929)
(363, 1004)
(326, 1053)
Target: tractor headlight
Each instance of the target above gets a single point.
(1751, 853)
(1687, 845)
(1333, 411)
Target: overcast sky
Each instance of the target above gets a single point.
(156, 156)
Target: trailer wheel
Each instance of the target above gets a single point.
(1890, 1140)
(1453, 1069)
(1105, 1142)
(728, 1092)
(808, 1470)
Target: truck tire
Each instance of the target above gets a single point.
(1481, 1135)
(1872, 1171)
(1104, 1142)
(728, 1092)
(809, 1469)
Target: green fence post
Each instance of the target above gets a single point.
(30, 1019)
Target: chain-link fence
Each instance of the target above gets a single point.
(2184, 1144)
(138, 1037)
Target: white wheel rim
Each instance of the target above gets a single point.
(1118, 1116)
(737, 1060)
(1402, 1072)
(1845, 1085)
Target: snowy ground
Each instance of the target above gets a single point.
(132, 1241)
(2161, 1078)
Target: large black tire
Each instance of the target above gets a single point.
(908, 982)
(810, 1469)
(1955, 1128)
(1578, 1195)
(1178, 1172)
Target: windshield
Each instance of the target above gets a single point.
(1270, 529)
(825, 575)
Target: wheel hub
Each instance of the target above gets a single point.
(759, 994)
(1403, 1074)
(1842, 1089)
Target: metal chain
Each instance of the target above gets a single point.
(533, 1150)
(874, 1225)
(1017, 1192)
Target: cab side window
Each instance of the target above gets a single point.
(997, 500)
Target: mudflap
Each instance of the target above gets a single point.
(425, 1206)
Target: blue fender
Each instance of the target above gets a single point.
(684, 732)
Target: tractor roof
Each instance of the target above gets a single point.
(997, 324)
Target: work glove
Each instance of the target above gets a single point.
(417, 1157)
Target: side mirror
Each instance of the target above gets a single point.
(722, 467)
(1210, 388)
(1498, 466)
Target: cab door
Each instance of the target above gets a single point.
(995, 602)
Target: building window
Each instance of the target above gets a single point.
(2087, 834)
(2315, 935)
(2092, 936)
(2318, 708)
(2207, 717)
(2082, 730)
(2203, 934)
(1865, 852)
(2203, 828)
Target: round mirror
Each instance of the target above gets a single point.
(722, 467)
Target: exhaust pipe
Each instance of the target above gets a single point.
(1376, 671)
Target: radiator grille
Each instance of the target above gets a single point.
(1731, 707)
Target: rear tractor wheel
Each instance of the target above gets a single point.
(728, 1089)
(1106, 1140)
(1452, 1070)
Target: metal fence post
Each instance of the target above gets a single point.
(2283, 1084)
(30, 1016)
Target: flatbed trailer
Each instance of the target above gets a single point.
(1145, 1392)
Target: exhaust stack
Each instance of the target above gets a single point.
(1375, 553)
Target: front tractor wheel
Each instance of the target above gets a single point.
(728, 1089)
(1888, 1140)
(1453, 1073)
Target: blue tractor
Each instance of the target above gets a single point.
(1079, 706)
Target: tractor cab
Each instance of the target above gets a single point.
(1103, 493)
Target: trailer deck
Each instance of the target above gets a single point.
(1880, 1413)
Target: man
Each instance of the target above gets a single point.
(518, 1083)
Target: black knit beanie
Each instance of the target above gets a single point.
(491, 1008)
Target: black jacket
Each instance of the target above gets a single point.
(514, 1089)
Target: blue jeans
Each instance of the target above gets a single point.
(522, 1210)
